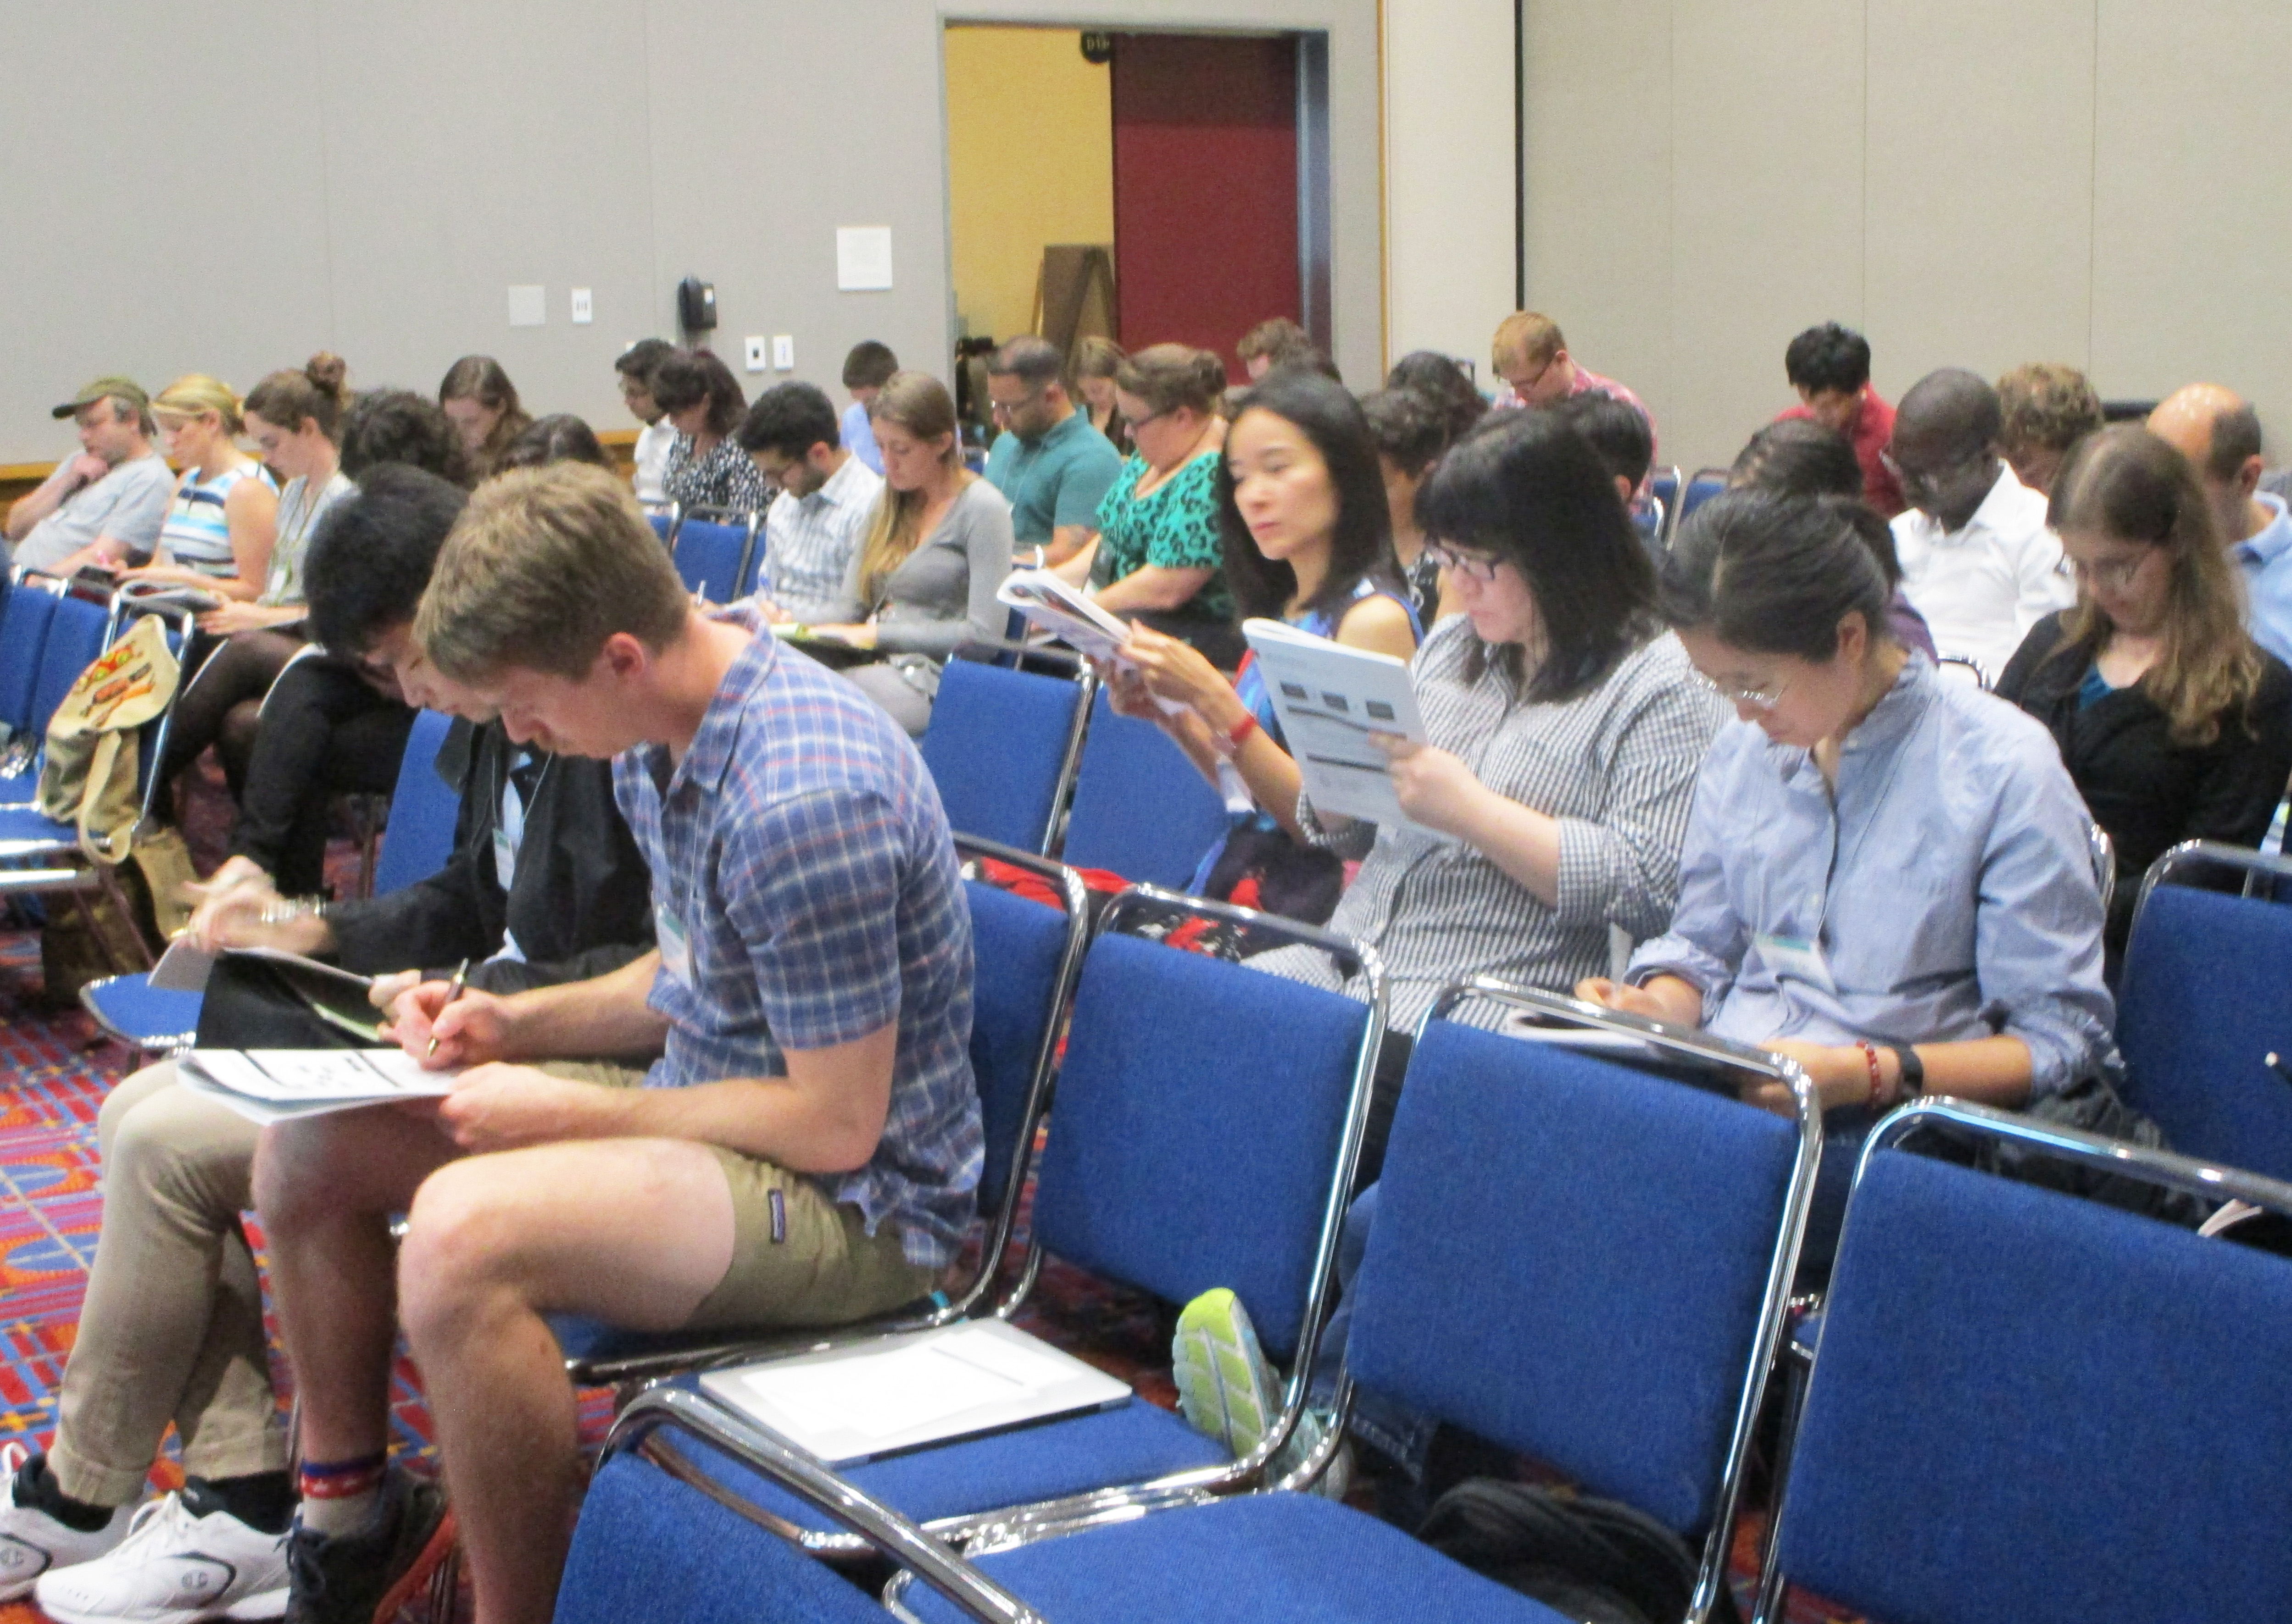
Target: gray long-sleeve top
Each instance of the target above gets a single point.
(944, 594)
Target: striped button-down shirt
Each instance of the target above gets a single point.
(810, 541)
(806, 893)
(1615, 765)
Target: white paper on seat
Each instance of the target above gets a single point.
(876, 1397)
(1331, 698)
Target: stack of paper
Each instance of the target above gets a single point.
(268, 1085)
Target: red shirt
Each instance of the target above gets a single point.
(1874, 428)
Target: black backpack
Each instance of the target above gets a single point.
(1593, 1560)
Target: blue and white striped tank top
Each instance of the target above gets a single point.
(196, 535)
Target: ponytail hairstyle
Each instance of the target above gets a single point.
(316, 391)
(2129, 485)
(918, 403)
(1774, 574)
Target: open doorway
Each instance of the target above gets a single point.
(1159, 188)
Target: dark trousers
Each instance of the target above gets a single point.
(323, 731)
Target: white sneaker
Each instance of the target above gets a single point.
(32, 1542)
(173, 1568)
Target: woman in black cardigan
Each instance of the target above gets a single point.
(2174, 724)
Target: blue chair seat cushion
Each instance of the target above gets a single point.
(1131, 1443)
(29, 826)
(1254, 1558)
(130, 1007)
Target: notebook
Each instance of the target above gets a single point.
(880, 1397)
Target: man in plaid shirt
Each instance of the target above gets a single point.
(805, 1149)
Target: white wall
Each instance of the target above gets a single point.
(2102, 182)
(273, 177)
(1450, 175)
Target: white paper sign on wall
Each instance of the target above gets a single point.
(529, 305)
(863, 258)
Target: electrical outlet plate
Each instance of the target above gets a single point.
(583, 310)
(783, 353)
(755, 343)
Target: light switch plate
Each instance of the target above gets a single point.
(783, 353)
(584, 311)
(755, 343)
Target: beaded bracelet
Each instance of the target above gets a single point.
(1877, 1082)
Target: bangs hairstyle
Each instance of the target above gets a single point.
(2129, 485)
(918, 403)
(544, 565)
(1773, 574)
(197, 395)
(1361, 547)
(1528, 489)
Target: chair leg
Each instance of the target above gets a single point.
(109, 877)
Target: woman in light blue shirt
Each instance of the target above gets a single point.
(1887, 875)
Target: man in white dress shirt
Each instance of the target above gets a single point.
(1978, 561)
(635, 367)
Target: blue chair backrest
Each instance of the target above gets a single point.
(1700, 489)
(664, 524)
(422, 810)
(1018, 945)
(1198, 1116)
(1140, 810)
(996, 747)
(76, 637)
(710, 557)
(1665, 483)
(651, 1548)
(23, 637)
(2032, 1407)
(1569, 1257)
(2207, 999)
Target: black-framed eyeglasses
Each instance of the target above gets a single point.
(1474, 566)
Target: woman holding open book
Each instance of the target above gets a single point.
(1303, 517)
(1564, 729)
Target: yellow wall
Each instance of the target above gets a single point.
(1030, 162)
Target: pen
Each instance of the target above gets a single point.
(454, 989)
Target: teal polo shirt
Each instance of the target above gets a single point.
(1059, 480)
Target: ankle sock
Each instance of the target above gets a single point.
(338, 1496)
(37, 1487)
(262, 1501)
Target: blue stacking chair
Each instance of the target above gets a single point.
(1003, 748)
(423, 813)
(712, 554)
(1707, 483)
(1626, 1240)
(664, 522)
(1205, 1132)
(23, 637)
(75, 629)
(1140, 809)
(2203, 1018)
(2032, 1407)
(1028, 957)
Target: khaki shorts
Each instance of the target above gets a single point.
(798, 1256)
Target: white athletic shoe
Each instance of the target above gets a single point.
(173, 1568)
(32, 1542)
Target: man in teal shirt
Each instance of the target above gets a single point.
(1048, 462)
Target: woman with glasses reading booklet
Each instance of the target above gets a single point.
(1887, 875)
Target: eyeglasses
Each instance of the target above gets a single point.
(2114, 576)
(1473, 566)
(1765, 697)
(1003, 409)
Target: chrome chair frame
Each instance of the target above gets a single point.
(2206, 1180)
(159, 1045)
(1981, 674)
(1774, 1307)
(711, 1352)
(2103, 851)
(2255, 866)
(1123, 1502)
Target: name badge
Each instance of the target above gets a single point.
(1795, 959)
(504, 858)
(675, 950)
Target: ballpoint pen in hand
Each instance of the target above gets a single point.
(454, 989)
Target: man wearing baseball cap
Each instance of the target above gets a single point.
(116, 490)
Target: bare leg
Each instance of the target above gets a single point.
(325, 1189)
(635, 1231)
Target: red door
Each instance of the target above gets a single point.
(1205, 188)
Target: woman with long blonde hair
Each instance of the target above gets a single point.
(2174, 724)
(922, 582)
(224, 517)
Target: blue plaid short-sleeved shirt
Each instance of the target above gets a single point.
(806, 892)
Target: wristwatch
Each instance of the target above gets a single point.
(1914, 1070)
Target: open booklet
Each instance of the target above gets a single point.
(1065, 612)
(1331, 698)
(185, 966)
(268, 1085)
(889, 1394)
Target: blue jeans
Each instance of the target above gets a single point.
(1394, 1430)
